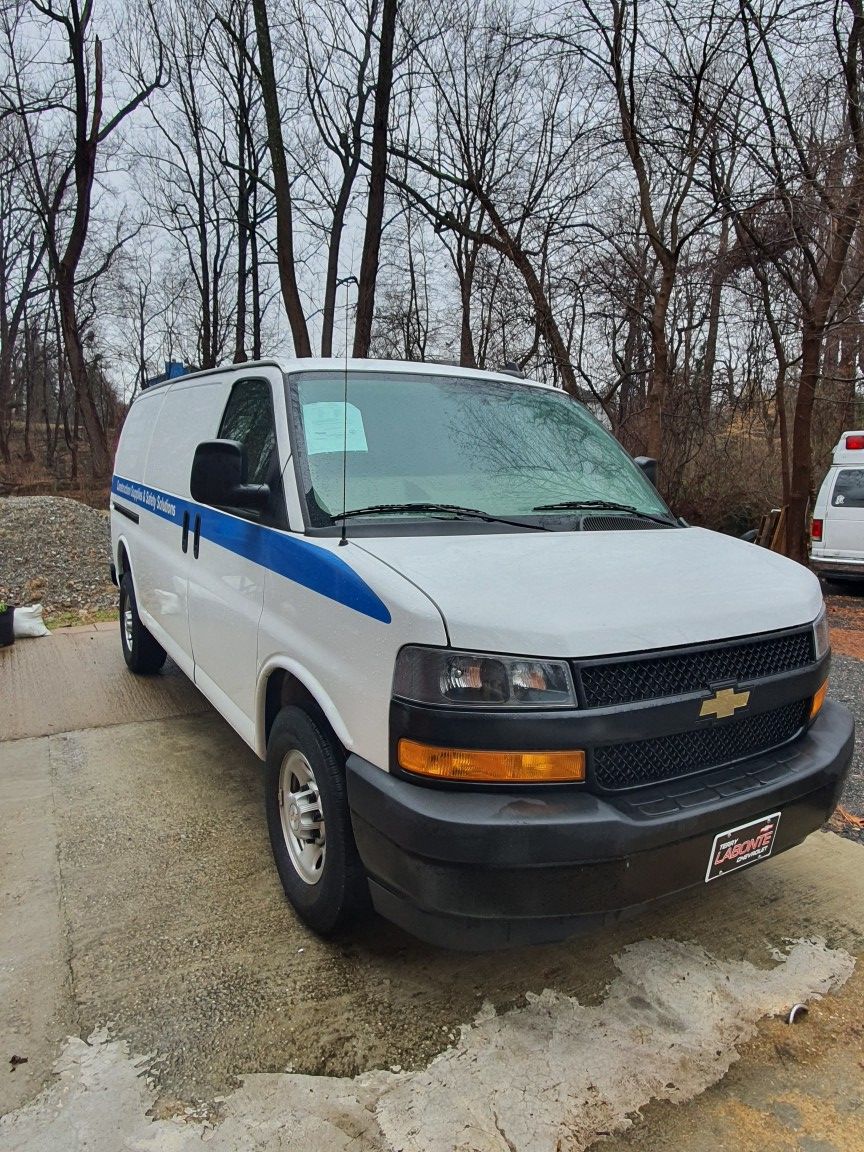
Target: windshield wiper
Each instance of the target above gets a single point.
(604, 505)
(454, 509)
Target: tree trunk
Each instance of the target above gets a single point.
(631, 389)
(849, 347)
(28, 456)
(86, 144)
(543, 314)
(659, 383)
(332, 281)
(254, 266)
(256, 296)
(243, 182)
(5, 398)
(706, 376)
(281, 184)
(46, 421)
(75, 441)
(465, 264)
(801, 471)
(141, 309)
(93, 427)
(377, 183)
(240, 356)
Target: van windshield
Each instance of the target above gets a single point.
(506, 449)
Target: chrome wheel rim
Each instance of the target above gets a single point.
(127, 626)
(301, 816)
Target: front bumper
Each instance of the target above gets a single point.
(480, 869)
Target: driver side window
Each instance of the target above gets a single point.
(248, 419)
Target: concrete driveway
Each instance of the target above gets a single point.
(162, 992)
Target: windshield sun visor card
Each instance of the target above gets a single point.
(333, 426)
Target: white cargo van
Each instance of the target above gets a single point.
(837, 527)
(502, 692)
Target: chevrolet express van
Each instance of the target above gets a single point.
(501, 691)
(837, 527)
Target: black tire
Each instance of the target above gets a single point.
(143, 654)
(340, 894)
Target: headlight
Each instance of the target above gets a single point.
(821, 637)
(476, 679)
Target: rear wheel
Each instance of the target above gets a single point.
(143, 654)
(310, 825)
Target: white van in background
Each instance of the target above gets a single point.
(501, 690)
(837, 527)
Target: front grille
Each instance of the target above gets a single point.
(666, 757)
(693, 670)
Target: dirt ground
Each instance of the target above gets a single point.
(140, 912)
(846, 616)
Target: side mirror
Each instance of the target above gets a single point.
(219, 477)
(648, 465)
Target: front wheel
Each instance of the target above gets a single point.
(310, 825)
(142, 653)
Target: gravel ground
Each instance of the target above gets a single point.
(847, 686)
(55, 551)
(846, 615)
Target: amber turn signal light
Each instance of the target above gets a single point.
(818, 701)
(471, 764)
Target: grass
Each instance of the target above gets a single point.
(71, 618)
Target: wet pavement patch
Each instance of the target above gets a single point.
(542, 1077)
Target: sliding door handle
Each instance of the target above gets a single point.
(196, 539)
(185, 541)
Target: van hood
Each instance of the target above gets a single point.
(580, 594)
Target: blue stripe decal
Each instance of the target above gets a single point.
(315, 568)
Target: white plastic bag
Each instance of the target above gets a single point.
(28, 622)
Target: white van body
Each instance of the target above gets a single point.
(837, 527)
(267, 611)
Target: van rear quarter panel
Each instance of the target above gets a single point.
(130, 462)
(137, 433)
(843, 524)
(842, 528)
(191, 413)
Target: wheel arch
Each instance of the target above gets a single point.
(122, 559)
(283, 683)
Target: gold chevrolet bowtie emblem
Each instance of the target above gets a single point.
(724, 703)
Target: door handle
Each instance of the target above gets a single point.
(185, 541)
(196, 539)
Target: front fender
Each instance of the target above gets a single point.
(312, 685)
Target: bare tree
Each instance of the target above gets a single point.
(64, 190)
(187, 184)
(338, 48)
(510, 125)
(807, 144)
(22, 251)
